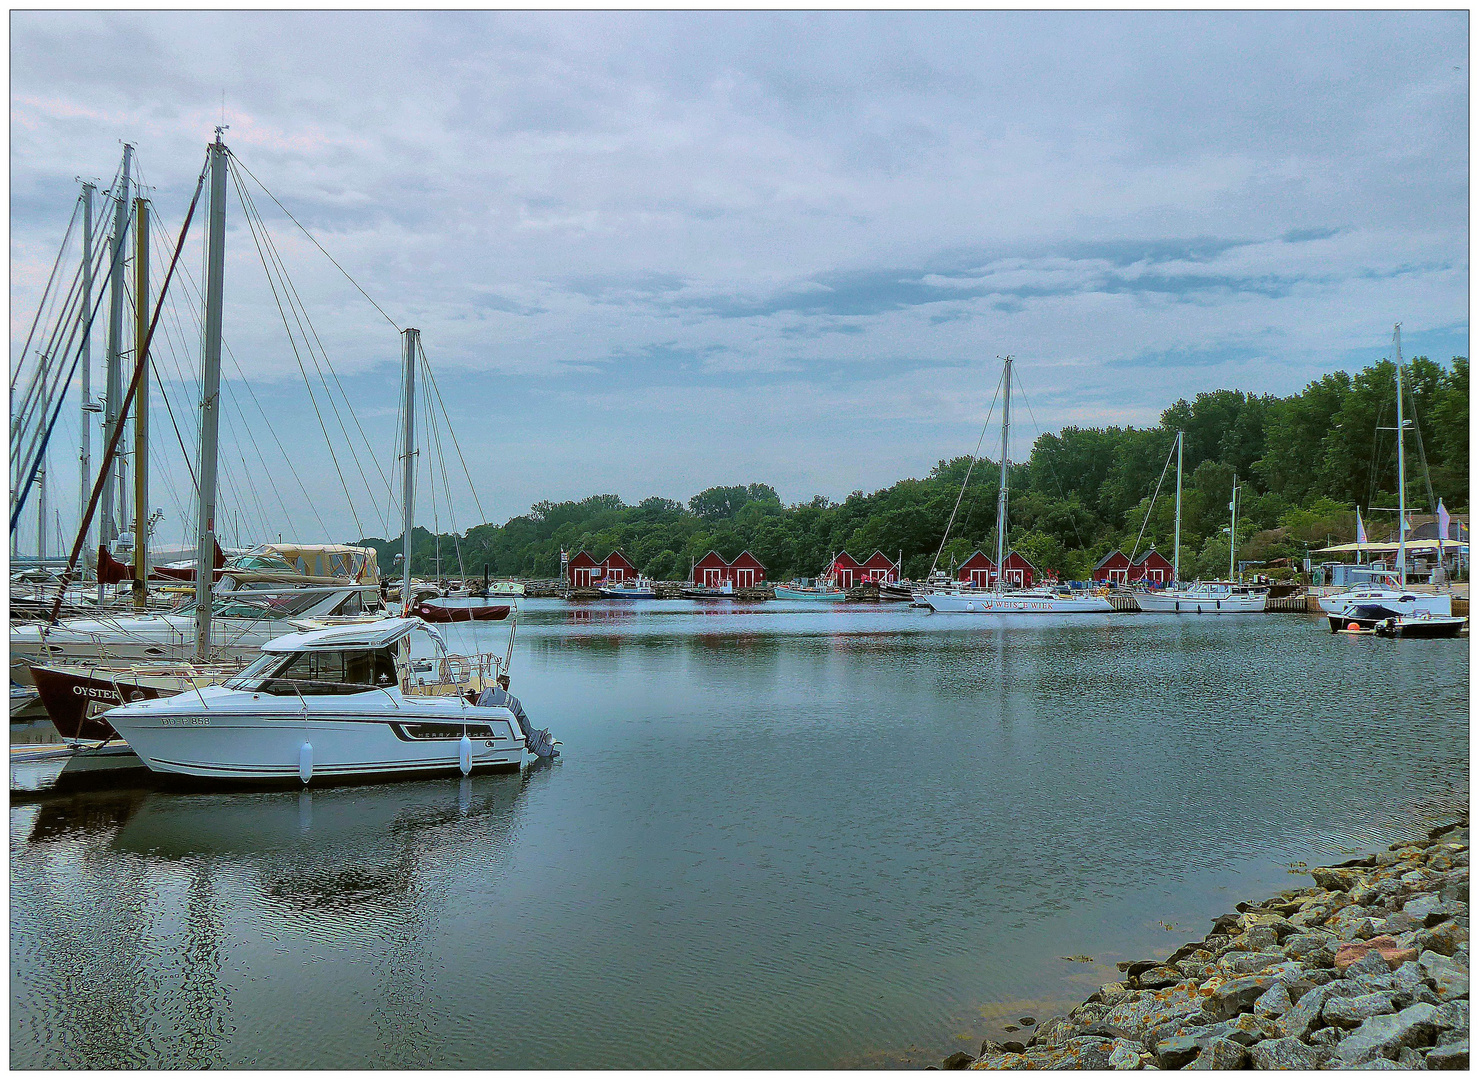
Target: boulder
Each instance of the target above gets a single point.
(1246, 963)
(1260, 939)
(1454, 1055)
(1351, 923)
(1304, 944)
(1274, 1002)
(1454, 1016)
(1160, 977)
(1450, 981)
(1354, 1011)
(1387, 948)
(1055, 1031)
(1110, 994)
(1125, 1055)
(1237, 996)
(1131, 1019)
(1383, 1036)
(1086, 1052)
(1221, 1054)
(1284, 1054)
(1444, 938)
(1336, 878)
(1178, 1051)
(959, 1060)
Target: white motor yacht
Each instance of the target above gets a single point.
(1205, 598)
(343, 702)
(1396, 601)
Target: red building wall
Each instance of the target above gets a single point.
(880, 567)
(977, 571)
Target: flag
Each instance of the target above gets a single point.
(1360, 528)
(1442, 521)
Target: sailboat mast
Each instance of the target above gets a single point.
(41, 472)
(1232, 534)
(110, 523)
(408, 481)
(210, 414)
(1001, 497)
(141, 406)
(1401, 469)
(84, 455)
(1176, 550)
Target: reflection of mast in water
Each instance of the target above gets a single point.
(84, 978)
(202, 999)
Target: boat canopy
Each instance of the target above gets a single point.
(1420, 547)
(326, 560)
(372, 635)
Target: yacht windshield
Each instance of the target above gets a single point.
(319, 671)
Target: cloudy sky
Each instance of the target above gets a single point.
(652, 253)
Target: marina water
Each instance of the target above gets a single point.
(778, 837)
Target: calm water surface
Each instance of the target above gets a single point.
(778, 837)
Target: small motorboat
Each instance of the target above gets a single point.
(1421, 624)
(640, 589)
(820, 592)
(1362, 617)
(897, 590)
(345, 702)
(705, 592)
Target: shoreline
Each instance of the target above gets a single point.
(1367, 968)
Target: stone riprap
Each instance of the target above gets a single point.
(1368, 969)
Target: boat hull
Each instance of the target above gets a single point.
(1009, 604)
(238, 736)
(1436, 626)
(464, 609)
(77, 697)
(1182, 604)
(1402, 603)
(830, 596)
(628, 594)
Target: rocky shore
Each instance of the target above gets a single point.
(1367, 969)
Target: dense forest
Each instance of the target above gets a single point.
(1305, 463)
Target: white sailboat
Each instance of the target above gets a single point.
(1398, 600)
(1204, 597)
(999, 601)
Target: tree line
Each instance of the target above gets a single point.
(1304, 463)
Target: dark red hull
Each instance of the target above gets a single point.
(434, 612)
(67, 696)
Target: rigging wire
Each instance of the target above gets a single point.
(999, 382)
(1146, 520)
(431, 379)
(292, 341)
(41, 306)
(1072, 517)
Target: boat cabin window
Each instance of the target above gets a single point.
(319, 671)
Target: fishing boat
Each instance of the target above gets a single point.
(897, 590)
(707, 592)
(640, 589)
(999, 600)
(825, 593)
(335, 703)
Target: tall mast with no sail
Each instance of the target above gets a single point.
(1402, 471)
(408, 479)
(210, 413)
(1001, 498)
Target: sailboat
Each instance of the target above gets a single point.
(340, 701)
(997, 600)
(1204, 597)
(1382, 603)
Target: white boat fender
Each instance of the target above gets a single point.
(464, 755)
(305, 761)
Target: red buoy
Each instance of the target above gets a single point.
(1353, 626)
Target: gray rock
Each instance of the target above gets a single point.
(1246, 963)
(1178, 1051)
(1090, 1012)
(1082, 1053)
(1383, 1036)
(1132, 1018)
(1335, 878)
(1311, 941)
(958, 1060)
(1371, 963)
(1375, 1063)
(1455, 886)
(1260, 939)
(1409, 1058)
(1444, 938)
(1110, 994)
(1371, 984)
(1237, 996)
(1298, 1021)
(1354, 1011)
(1453, 1016)
(1449, 980)
(1398, 923)
(1274, 1003)
(1454, 1055)
(1374, 891)
(1284, 1054)
(1125, 1055)
(1351, 923)
(1461, 956)
(1158, 978)
(1221, 1054)
(1325, 1037)
(1420, 907)
(1055, 1031)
